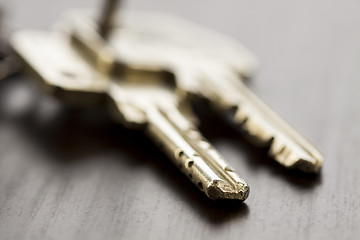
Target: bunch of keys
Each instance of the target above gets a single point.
(147, 72)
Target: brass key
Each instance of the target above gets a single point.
(139, 99)
(205, 64)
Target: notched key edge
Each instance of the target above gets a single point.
(195, 156)
(266, 129)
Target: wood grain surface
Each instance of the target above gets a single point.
(74, 174)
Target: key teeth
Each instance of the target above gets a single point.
(284, 156)
(219, 190)
(277, 150)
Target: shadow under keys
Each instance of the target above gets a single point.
(69, 135)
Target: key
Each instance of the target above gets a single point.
(140, 99)
(205, 64)
(164, 34)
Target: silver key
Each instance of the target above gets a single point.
(139, 99)
(205, 64)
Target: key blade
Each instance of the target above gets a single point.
(157, 105)
(258, 121)
(286, 145)
(195, 156)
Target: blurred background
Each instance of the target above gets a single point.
(70, 173)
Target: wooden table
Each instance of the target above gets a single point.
(74, 174)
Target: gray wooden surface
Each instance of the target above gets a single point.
(74, 174)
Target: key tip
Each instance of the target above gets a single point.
(219, 190)
(308, 166)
